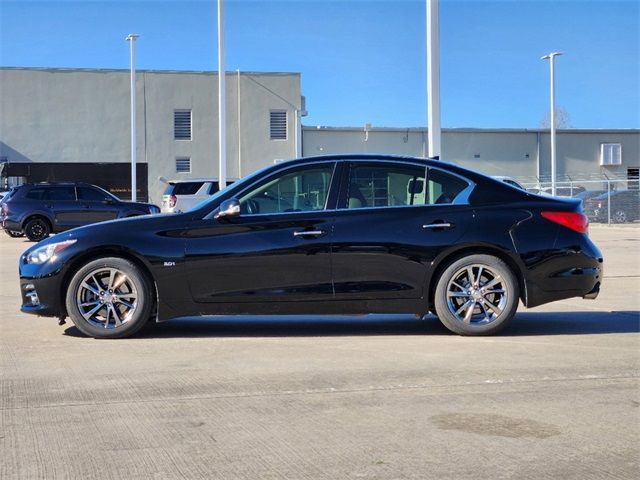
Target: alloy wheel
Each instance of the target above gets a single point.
(107, 298)
(620, 216)
(476, 295)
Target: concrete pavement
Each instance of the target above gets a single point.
(555, 396)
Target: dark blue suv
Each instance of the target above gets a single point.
(43, 208)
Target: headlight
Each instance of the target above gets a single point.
(47, 252)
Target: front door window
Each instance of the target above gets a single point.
(303, 190)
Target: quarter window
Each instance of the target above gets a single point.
(443, 187)
(303, 190)
(386, 186)
(35, 194)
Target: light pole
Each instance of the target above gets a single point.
(552, 88)
(222, 106)
(131, 38)
(433, 79)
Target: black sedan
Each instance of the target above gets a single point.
(350, 234)
(39, 209)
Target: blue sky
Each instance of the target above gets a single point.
(364, 61)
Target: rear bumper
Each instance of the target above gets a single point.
(9, 224)
(572, 271)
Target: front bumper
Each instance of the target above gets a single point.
(41, 296)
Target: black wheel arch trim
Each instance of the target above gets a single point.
(37, 214)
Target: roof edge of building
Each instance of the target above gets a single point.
(472, 130)
(143, 70)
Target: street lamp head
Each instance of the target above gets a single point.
(132, 36)
(549, 56)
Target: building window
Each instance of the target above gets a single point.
(182, 124)
(278, 124)
(183, 165)
(610, 154)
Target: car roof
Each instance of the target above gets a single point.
(58, 184)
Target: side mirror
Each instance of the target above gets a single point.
(228, 209)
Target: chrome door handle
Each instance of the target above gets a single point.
(438, 225)
(308, 233)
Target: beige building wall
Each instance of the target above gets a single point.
(60, 115)
(523, 154)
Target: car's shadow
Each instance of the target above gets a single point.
(524, 324)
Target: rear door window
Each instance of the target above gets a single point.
(375, 185)
(60, 193)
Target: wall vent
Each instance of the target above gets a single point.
(182, 124)
(183, 165)
(278, 124)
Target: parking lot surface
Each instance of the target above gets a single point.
(555, 396)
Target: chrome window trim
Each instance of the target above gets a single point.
(210, 215)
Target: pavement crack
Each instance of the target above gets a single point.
(331, 391)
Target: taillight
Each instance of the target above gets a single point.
(172, 201)
(5, 209)
(578, 222)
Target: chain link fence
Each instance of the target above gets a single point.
(604, 200)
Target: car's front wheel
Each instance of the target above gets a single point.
(109, 298)
(476, 295)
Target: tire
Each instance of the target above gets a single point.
(620, 216)
(14, 234)
(37, 229)
(482, 307)
(110, 298)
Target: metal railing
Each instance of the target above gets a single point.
(605, 200)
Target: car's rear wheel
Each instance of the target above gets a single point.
(37, 229)
(476, 295)
(14, 234)
(109, 298)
